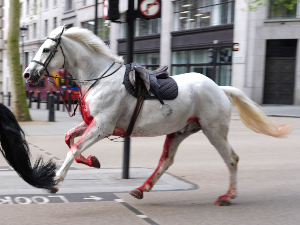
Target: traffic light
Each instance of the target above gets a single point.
(113, 10)
(224, 56)
(212, 56)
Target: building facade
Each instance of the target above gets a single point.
(267, 64)
(184, 36)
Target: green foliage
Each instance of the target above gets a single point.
(288, 4)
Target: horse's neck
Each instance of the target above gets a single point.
(83, 63)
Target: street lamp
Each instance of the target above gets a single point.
(23, 34)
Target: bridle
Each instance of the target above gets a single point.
(52, 54)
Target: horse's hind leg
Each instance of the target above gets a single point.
(218, 139)
(167, 158)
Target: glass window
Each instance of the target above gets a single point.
(84, 2)
(192, 14)
(27, 7)
(46, 28)
(69, 5)
(46, 4)
(35, 7)
(103, 28)
(278, 10)
(179, 57)
(198, 61)
(54, 22)
(148, 60)
(55, 3)
(21, 9)
(142, 27)
(27, 33)
(34, 30)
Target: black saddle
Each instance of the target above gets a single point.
(158, 83)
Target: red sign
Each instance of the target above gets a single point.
(150, 8)
(235, 46)
(105, 8)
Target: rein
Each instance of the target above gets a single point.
(90, 87)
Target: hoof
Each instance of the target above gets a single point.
(136, 193)
(94, 162)
(222, 202)
(53, 190)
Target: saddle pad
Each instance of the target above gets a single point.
(168, 87)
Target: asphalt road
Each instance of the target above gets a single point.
(268, 182)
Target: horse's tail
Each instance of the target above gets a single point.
(15, 150)
(252, 116)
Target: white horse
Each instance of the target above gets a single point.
(107, 107)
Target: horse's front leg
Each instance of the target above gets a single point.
(77, 131)
(98, 129)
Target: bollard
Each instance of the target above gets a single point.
(70, 101)
(39, 100)
(64, 99)
(47, 100)
(9, 98)
(30, 98)
(51, 108)
(2, 97)
(57, 100)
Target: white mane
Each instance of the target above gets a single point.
(92, 41)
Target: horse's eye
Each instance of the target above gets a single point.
(45, 50)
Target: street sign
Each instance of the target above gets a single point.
(149, 9)
(105, 8)
(235, 46)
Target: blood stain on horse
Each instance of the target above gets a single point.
(85, 112)
(150, 181)
(194, 118)
(84, 136)
(118, 131)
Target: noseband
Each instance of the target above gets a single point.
(51, 55)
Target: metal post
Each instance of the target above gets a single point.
(38, 99)
(51, 108)
(57, 100)
(64, 98)
(2, 97)
(47, 103)
(30, 98)
(96, 18)
(9, 98)
(130, 33)
(70, 101)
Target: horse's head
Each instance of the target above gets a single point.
(48, 58)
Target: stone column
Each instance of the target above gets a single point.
(167, 15)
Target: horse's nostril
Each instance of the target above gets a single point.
(26, 76)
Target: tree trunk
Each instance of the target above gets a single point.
(19, 103)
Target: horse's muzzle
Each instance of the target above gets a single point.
(27, 76)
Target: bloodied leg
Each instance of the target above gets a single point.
(77, 131)
(166, 160)
(91, 135)
(218, 139)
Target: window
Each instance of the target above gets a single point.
(21, 9)
(55, 3)
(46, 28)
(84, 3)
(54, 22)
(192, 14)
(46, 4)
(149, 60)
(27, 7)
(27, 33)
(198, 61)
(35, 7)
(34, 30)
(69, 5)
(103, 28)
(277, 9)
(142, 27)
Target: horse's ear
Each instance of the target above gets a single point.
(62, 31)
